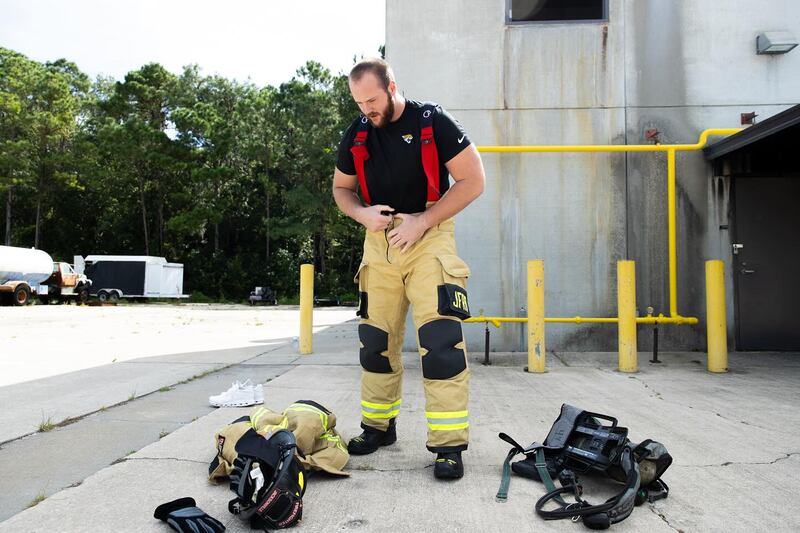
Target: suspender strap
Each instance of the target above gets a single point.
(360, 154)
(430, 156)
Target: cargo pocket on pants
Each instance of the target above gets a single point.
(361, 279)
(452, 294)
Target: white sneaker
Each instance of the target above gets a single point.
(239, 395)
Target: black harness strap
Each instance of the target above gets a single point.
(541, 468)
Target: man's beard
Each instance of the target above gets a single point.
(380, 120)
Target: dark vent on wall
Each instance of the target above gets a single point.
(556, 10)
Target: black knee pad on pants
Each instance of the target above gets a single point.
(443, 360)
(374, 342)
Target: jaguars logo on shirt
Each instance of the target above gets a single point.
(408, 138)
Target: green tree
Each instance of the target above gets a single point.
(308, 119)
(59, 93)
(140, 106)
(18, 77)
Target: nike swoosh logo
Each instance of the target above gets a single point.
(461, 139)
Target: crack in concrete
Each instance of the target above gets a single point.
(733, 463)
(143, 362)
(663, 517)
(177, 459)
(163, 422)
(354, 363)
(371, 469)
(563, 361)
(746, 423)
(656, 394)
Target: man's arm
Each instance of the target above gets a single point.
(466, 169)
(344, 193)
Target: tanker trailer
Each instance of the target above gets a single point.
(21, 271)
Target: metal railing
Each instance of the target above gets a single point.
(536, 351)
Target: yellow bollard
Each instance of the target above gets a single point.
(716, 319)
(626, 309)
(536, 351)
(306, 308)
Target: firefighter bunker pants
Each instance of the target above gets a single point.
(432, 278)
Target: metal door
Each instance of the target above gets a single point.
(68, 276)
(766, 263)
(152, 280)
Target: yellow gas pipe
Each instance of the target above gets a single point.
(670, 149)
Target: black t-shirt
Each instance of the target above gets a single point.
(394, 172)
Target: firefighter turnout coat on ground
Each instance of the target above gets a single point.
(319, 445)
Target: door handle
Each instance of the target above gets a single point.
(748, 271)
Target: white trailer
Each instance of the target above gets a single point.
(132, 276)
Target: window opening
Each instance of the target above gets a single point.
(556, 10)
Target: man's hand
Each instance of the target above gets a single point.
(373, 219)
(410, 231)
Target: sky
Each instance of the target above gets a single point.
(265, 41)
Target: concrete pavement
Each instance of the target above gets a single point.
(88, 359)
(40, 341)
(96, 414)
(733, 438)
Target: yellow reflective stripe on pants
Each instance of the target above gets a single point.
(447, 420)
(380, 410)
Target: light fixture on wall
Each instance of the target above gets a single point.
(775, 42)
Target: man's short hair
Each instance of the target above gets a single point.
(379, 67)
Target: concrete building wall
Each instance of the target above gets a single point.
(679, 67)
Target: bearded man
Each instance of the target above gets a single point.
(399, 154)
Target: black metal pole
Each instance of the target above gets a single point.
(486, 347)
(655, 345)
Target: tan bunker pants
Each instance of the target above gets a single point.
(432, 278)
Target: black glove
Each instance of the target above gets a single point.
(184, 516)
(242, 483)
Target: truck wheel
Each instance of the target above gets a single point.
(21, 295)
(113, 296)
(102, 296)
(83, 295)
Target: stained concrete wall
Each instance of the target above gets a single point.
(680, 67)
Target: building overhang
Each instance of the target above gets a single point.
(767, 148)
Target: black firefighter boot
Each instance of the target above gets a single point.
(448, 465)
(372, 439)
